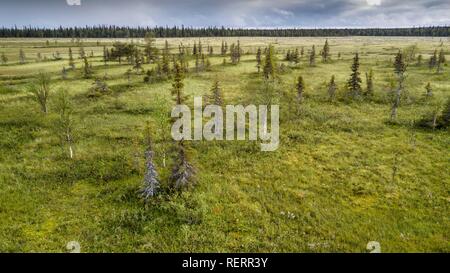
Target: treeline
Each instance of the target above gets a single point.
(168, 32)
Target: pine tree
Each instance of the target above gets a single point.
(270, 64)
(216, 96)
(326, 52)
(22, 56)
(165, 60)
(429, 90)
(194, 49)
(419, 60)
(369, 83)
(150, 51)
(87, 71)
(433, 60)
(82, 53)
(332, 87)
(71, 61)
(151, 184)
(64, 73)
(3, 59)
(200, 47)
(296, 57)
(183, 172)
(440, 60)
(258, 59)
(312, 56)
(354, 83)
(300, 88)
(178, 85)
(399, 69)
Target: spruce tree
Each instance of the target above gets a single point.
(3, 59)
(419, 60)
(369, 84)
(151, 184)
(312, 56)
(150, 51)
(22, 56)
(440, 60)
(87, 71)
(178, 85)
(326, 52)
(258, 59)
(216, 96)
(433, 60)
(165, 60)
(332, 87)
(183, 172)
(429, 90)
(300, 88)
(71, 61)
(270, 65)
(296, 57)
(354, 83)
(82, 53)
(399, 69)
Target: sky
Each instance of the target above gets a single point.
(228, 13)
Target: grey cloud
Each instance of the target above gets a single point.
(243, 13)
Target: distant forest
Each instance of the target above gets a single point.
(168, 32)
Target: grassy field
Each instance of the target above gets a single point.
(328, 188)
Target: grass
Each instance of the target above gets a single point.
(328, 188)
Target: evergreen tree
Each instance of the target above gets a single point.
(326, 52)
(433, 60)
(429, 90)
(87, 71)
(369, 83)
(312, 56)
(200, 47)
(194, 50)
(300, 88)
(440, 60)
(258, 59)
(399, 69)
(64, 73)
(71, 61)
(165, 60)
(150, 51)
(22, 57)
(216, 96)
(151, 184)
(270, 63)
(354, 83)
(3, 59)
(183, 172)
(332, 87)
(82, 53)
(178, 85)
(296, 57)
(419, 60)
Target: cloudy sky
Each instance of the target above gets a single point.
(232, 13)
